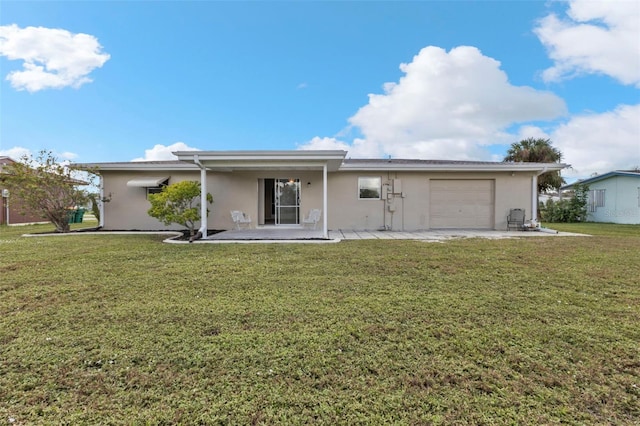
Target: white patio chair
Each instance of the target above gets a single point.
(313, 218)
(240, 219)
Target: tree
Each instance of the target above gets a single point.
(538, 151)
(178, 203)
(46, 187)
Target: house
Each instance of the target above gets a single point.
(11, 207)
(613, 197)
(278, 188)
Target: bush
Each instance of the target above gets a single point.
(573, 209)
(178, 203)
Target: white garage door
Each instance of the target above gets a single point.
(461, 204)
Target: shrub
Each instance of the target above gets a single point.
(178, 203)
(573, 209)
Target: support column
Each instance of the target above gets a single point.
(101, 201)
(534, 193)
(325, 231)
(203, 196)
(534, 198)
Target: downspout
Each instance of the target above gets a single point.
(325, 232)
(203, 196)
(534, 194)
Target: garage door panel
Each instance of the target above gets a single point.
(461, 203)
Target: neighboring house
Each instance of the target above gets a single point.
(278, 188)
(543, 197)
(613, 197)
(11, 207)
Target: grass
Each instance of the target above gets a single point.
(127, 330)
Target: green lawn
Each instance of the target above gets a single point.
(127, 330)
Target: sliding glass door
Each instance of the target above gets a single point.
(287, 201)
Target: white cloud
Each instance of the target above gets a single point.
(359, 148)
(67, 155)
(597, 37)
(600, 142)
(526, 132)
(15, 153)
(162, 152)
(447, 105)
(324, 143)
(53, 58)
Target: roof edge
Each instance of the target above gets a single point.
(138, 165)
(602, 177)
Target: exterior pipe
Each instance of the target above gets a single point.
(203, 196)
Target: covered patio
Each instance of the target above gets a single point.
(266, 163)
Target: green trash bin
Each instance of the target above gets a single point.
(71, 216)
(79, 215)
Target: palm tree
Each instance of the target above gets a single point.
(538, 151)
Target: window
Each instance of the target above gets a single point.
(596, 199)
(369, 188)
(155, 190)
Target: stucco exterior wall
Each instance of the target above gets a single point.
(242, 191)
(622, 203)
(127, 209)
(230, 190)
(412, 210)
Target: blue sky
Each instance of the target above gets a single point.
(129, 80)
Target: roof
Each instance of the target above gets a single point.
(447, 165)
(313, 160)
(628, 173)
(4, 161)
(138, 165)
(265, 160)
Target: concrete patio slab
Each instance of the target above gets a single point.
(273, 234)
(267, 234)
(302, 235)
